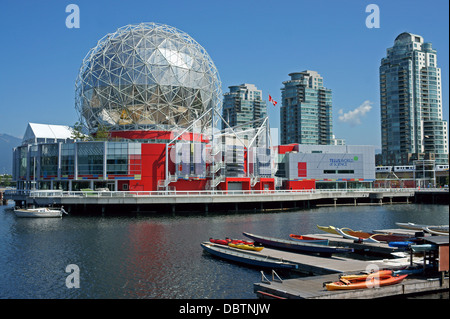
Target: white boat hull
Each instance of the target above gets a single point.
(442, 228)
(38, 212)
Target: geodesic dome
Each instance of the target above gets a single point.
(146, 76)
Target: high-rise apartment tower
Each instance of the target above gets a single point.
(306, 116)
(243, 104)
(412, 125)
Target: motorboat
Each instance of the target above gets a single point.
(40, 212)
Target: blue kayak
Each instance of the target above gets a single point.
(408, 271)
(400, 244)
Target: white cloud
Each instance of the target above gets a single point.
(354, 117)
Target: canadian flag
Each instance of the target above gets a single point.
(272, 100)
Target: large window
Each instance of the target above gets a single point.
(117, 159)
(23, 153)
(67, 159)
(341, 171)
(90, 158)
(49, 160)
(134, 158)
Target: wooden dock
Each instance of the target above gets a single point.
(328, 270)
(312, 288)
(343, 263)
(311, 264)
(316, 265)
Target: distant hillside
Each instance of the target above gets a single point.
(7, 143)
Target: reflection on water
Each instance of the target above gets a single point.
(158, 256)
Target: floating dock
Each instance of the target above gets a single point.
(328, 270)
(313, 264)
(316, 265)
(312, 288)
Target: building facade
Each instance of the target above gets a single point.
(412, 125)
(326, 166)
(306, 114)
(243, 104)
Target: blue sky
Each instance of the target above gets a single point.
(250, 41)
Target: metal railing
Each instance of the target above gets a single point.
(60, 193)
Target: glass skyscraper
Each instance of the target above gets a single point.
(412, 125)
(243, 104)
(306, 115)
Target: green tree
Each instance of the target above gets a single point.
(77, 132)
(102, 133)
(6, 180)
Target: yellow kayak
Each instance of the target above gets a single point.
(246, 247)
(328, 229)
(377, 274)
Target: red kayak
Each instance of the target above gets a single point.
(240, 241)
(230, 241)
(307, 239)
(219, 241)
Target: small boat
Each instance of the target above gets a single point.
(219, 241)
(380, 274)
(361, 234)
(439, 231)
(239, 241)
(420, 227)
(423, 247)
(226, 241)
(411, 226)
(248, 258)
(354, 238)
(246, 247)
(40, 212)
(408, 271)
(308, 239)
(328, 229)
(400, 244)
(344, 284)
(298, 246)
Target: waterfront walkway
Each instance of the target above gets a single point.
(291, 198)
(217, 200)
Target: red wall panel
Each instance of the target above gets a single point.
(302, 172)
(153, 165)
(189, 185)
(304, 184)
(270, 182)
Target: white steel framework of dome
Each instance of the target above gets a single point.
(147, 77)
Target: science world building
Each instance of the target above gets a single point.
(149, 101)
